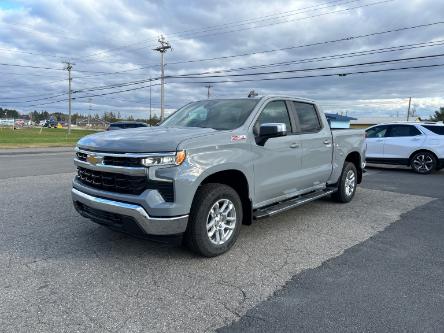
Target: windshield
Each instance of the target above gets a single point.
(223, 114)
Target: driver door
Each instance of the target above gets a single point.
(278, 161)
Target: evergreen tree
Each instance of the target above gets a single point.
(439, 115)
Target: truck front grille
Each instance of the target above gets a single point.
(122, 161)
(120, 183)
(114, 160)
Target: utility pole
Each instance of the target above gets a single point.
(408, 110)
(68, 68)
(164, 46)
(90, 109)
(209, 86)
(150, 102)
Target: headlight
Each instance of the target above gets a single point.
(163, 160)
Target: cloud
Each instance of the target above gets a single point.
(113, 36)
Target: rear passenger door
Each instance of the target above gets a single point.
(316, 145)
(401, 141)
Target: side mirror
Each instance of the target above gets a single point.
(270, 130)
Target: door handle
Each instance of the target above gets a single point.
(379, 140)
(295, 145)
(327, 142)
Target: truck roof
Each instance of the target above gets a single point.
(268, 97)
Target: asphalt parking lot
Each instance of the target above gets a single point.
(375, 264)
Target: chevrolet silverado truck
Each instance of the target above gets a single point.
(214, 165)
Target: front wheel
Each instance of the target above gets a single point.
(347, 184)
(423, 162)
(215, 220)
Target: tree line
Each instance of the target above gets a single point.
(37, 116)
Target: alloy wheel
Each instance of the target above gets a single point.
(221, 221)
(423, 163)
(350, 183)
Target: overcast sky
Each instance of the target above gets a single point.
(105, 37)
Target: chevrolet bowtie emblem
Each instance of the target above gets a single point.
(94, 159)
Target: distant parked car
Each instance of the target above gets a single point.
(51, 123)
(125, 125)
(418, 145)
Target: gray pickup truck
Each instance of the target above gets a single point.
(214, 165)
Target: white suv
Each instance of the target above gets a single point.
(419, 145)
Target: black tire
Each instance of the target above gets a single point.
(423, 162)
(196, 237)
(343, 194)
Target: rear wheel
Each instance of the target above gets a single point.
(423, 162)
(215, 220)
(347, 184)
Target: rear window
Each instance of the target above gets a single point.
(402, 130)
(435, 129)
(308, 117)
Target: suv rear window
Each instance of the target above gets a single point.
(435, 129)
(402, 130)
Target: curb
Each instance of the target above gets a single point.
(34, 151)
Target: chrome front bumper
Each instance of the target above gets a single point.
(150, 225)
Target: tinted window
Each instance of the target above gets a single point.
(403, 130)
(435, 129)
(135, 125)
(376, 132)
(308, 117)
(274, 112)
(224, 114)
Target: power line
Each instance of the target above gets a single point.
(319, 75)
(250, 28)
(329, 57)
(347, 38)
(31, 66)
(243, 54)
(341, 74)
(197, 76)
(116, 85)
(241, 22)
(276, 23)
(197, 30)
(34, 100)
(315, 59)
(95, 95)
(264, 18)
(201, 76)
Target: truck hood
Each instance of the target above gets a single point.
(141, 140)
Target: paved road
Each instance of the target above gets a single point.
(392, 282)
(35, 162)
(60, 272)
